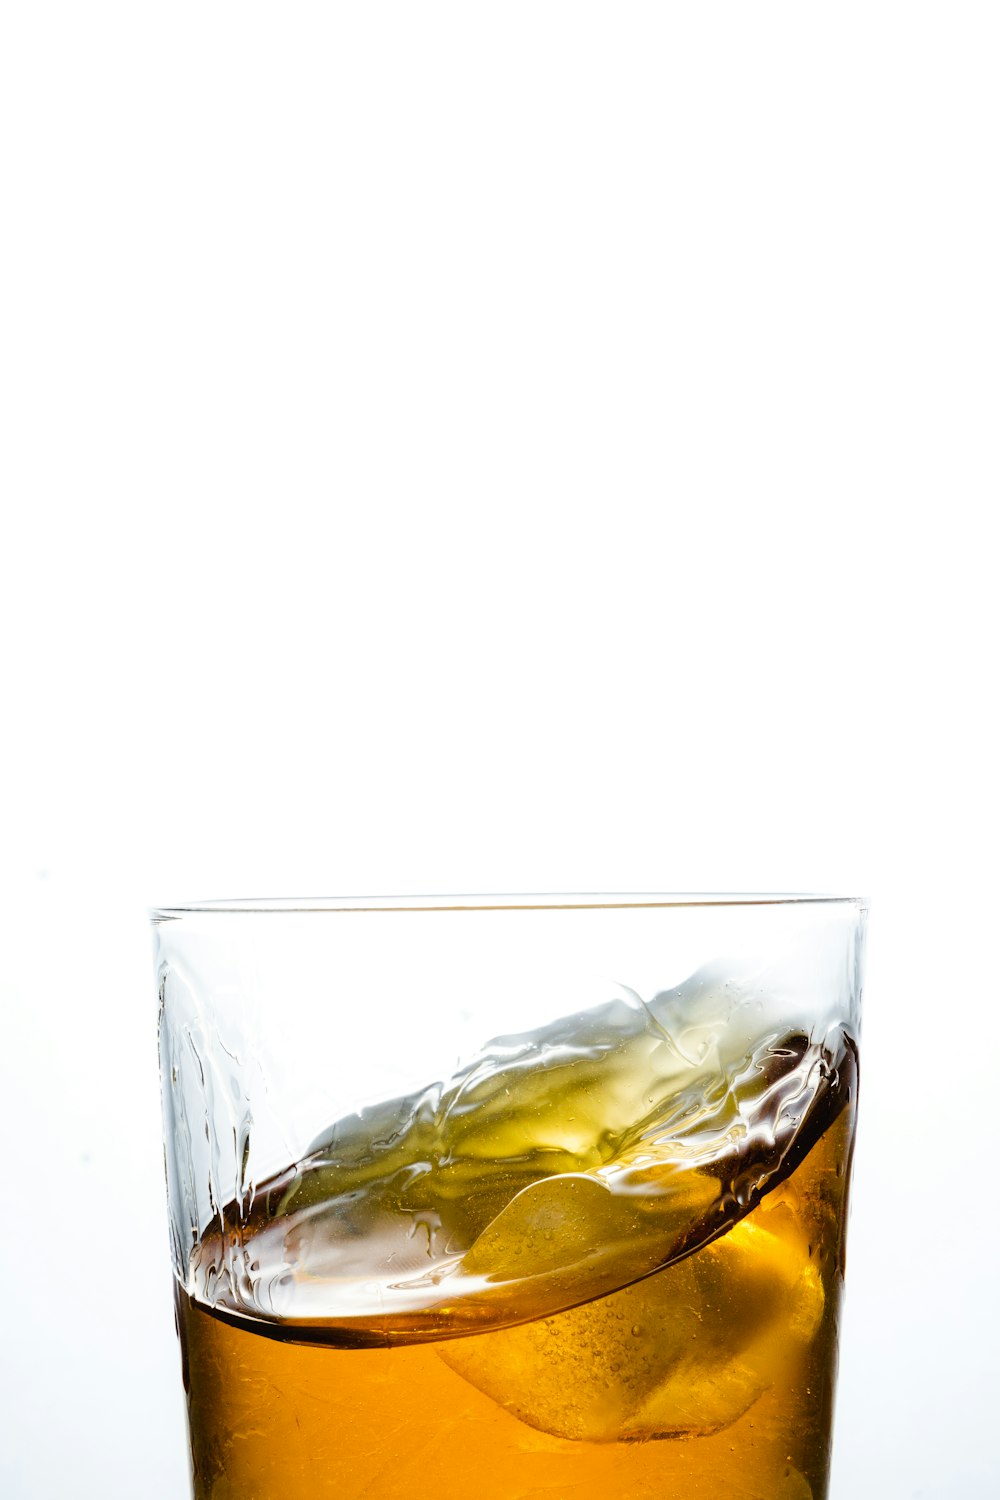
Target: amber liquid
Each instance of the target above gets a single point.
(713, 1378)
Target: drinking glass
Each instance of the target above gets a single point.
(509, 1196)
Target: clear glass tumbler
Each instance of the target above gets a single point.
(501, 1196)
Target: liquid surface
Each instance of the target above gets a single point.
(556, 1167)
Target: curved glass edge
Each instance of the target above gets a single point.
(581, 901)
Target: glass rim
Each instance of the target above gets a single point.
(555, 901)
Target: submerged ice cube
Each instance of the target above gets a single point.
(685, 1352)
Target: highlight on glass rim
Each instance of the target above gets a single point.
(510, 1195)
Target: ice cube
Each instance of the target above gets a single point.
(684, 1352)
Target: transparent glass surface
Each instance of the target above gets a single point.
(510, 1195)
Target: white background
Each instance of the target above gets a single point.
(494, 448)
